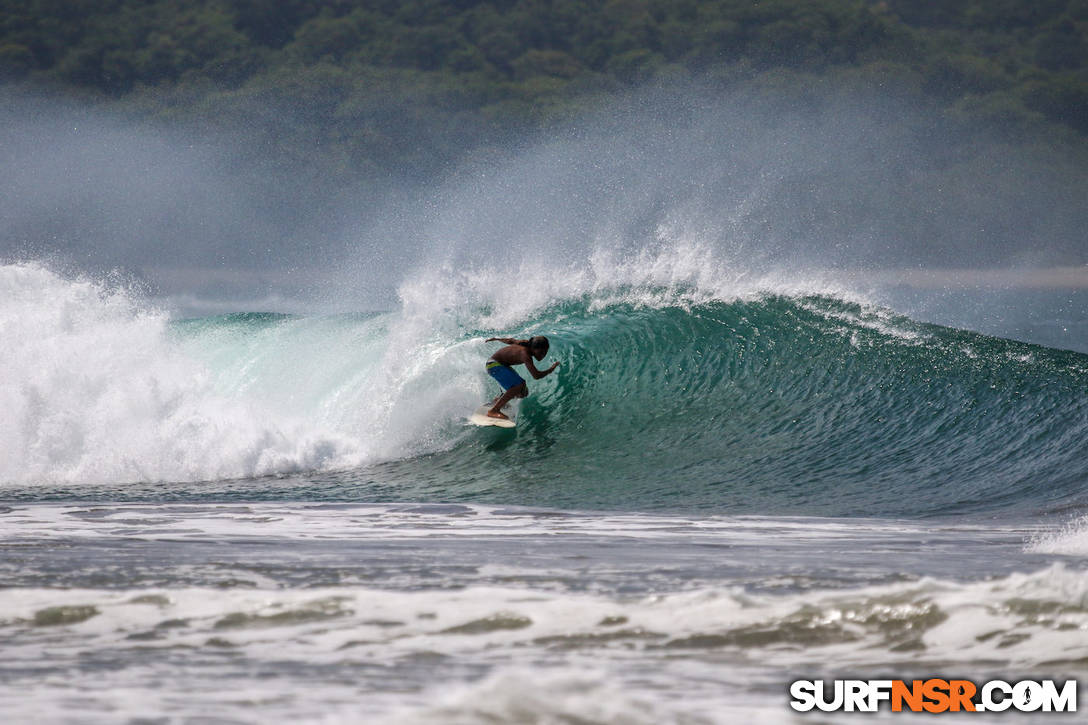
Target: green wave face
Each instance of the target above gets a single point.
(805, 405)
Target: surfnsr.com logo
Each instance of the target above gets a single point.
(933, 695)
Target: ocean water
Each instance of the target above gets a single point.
(728, 485)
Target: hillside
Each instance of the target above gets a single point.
(376, 86)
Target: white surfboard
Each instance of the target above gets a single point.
(480, 417)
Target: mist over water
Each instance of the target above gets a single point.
(192, 212)
(817, 182)
(831, 186)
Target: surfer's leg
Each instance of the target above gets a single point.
(518, 391)
(502, 399)
(513, 383)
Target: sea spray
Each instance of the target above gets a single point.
(94, 388)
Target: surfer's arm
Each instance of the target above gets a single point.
(506, 340)
(538, 374)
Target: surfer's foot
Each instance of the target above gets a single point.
(497, 414)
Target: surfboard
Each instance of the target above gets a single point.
(479, 417)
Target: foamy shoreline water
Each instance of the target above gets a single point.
(407, 612)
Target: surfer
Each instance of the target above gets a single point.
(516, 352)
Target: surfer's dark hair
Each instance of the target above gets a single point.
(538, 342)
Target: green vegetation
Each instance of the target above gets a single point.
(375, 85)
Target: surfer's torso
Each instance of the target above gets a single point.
(511, 355)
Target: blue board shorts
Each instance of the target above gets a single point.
(504, 374)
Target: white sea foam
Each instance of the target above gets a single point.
(541, 696)
(1022, 619)
(872, 318)
(98, 386)
(1070, 539)
(381, 522)
(683, 657)
(473, 614)
(94, 389)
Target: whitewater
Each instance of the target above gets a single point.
(733, 481)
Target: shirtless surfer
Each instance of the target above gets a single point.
(516, 352)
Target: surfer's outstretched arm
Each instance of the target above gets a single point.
(506, 340)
